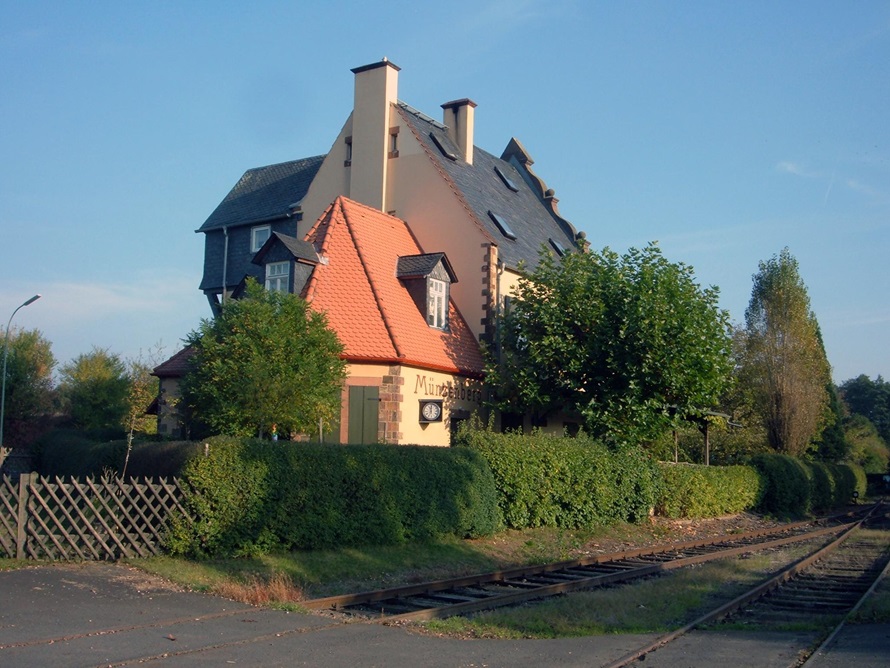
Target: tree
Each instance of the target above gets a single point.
(784, 364)
(94, 388)
(29, 384)
(268, 359)
(870, 398)
(868, 449)
(632, 343)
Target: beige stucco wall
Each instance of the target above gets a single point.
(399, 414)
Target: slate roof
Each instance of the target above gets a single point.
(527, 207)
(264, 193)
(301, 250)
(368, 306)
(176, 366)
(421, 266)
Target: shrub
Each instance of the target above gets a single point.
(691, 490)
(787, 490)
(545, 480)
(248, 495)
(70, 452)
(794, 487)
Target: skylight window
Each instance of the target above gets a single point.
(438, 142)
(558, 247)
(506, 179)
(505, 229)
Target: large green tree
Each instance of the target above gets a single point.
(783, 364)
(29, 384)
(266, 360)
(94, 388)
(632, 343)
(870, 398)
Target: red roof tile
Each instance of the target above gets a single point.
(369, 308)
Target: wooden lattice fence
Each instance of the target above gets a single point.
(71, 519)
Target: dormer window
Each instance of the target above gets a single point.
(278, 276)
(437, 303)
(258, 236)
(428, 279)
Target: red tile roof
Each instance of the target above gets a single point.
(369, 308)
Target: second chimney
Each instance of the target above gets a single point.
(459, 118)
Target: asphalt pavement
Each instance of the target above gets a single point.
(100, 614)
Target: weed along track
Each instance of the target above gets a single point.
(818, 592)
(465, 595)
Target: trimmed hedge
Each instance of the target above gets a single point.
(69, 452)
(694, 490)
(545, 480)
(248, 496)
(796, 488)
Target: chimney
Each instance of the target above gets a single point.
(376, 91)
(459, 118)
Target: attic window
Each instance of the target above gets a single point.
(558, 247)
(506, 179)
(438, 142)
(394, 142)
(437, 303)
(348, 161)
(258, 236)
(505, 229)
(278, 276)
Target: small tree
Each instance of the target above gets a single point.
(94, 389)
(632, 343)
(268, 359)
(870, 398)
(29, 384)
(784, 364)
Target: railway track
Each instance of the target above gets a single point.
(821, 591)
(464, 595)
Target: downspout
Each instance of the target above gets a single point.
(225, 265)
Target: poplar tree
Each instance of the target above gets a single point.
(784, 365)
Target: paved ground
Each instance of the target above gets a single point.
(109, 615)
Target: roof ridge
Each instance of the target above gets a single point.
(312, 283)
(361, 257)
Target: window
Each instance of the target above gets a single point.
(277, 275)
(394, 142)
(259, 236)
(437, 303)
(505, 229)
(506, 179)
(348, 160)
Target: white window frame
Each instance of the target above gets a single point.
(278, 276)
(437, 303)
(255, 236)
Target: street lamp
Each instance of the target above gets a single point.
(5, 355)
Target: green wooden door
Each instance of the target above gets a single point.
(364, 405)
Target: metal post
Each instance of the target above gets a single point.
(5, 355)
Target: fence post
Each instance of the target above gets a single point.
(20, 534)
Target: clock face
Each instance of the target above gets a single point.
(431, 411)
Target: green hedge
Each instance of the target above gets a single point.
(796, 488)
(248, 496)
(69, 452)
(545, 480)
(693, 490)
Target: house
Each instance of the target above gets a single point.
(475, 220)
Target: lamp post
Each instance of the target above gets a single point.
(5, 355)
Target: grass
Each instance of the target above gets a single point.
(655, 605)
(329, 572)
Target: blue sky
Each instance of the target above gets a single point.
(725, 131)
